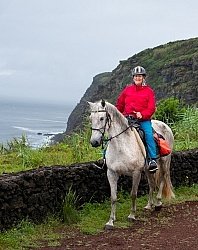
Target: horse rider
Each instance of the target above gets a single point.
(138, 100)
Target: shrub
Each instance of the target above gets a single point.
(170, 110)
(70, 213)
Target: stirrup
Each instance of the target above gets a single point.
(152, 166)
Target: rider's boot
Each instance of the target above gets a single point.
(153, 166)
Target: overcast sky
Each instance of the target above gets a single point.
(52, 49)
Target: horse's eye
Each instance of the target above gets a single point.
(101, 118)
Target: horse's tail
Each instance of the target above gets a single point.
(167, 191)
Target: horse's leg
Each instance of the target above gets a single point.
(158, 204)
(136, 180)
(151, 182)
(113, 178)
(164, 164)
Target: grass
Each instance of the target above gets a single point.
(70, 214)
(26, 235)
(186, 131)
(20, 156)
(92, 220)
(96, 215)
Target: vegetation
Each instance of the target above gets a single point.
(18, 155)
(186, 130)
(93, 216)
(182, 120)
(170, 110)
(70, 214)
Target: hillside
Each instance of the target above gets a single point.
(172, 71)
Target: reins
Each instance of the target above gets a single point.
(112, 137)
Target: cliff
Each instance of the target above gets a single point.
(172, 71)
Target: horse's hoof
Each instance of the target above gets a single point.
(108, 227)
(130, 219)
(147, 208)
(158, 208)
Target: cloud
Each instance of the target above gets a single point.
(7, 72)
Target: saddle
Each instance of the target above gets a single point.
(133, 122)
(162, 146)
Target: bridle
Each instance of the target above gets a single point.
(103, 129)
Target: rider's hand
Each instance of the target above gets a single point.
(138, 115)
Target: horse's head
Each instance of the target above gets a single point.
(100, 118)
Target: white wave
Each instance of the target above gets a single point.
(26, 129)
(43, 142)
(38, 131)
(37, 138)
(44, 120)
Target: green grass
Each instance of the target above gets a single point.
(26, 235)
(18, 155)
(186, 130)
(70, 214)
(94, 216)
(92, 220)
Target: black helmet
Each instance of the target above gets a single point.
(138, 71)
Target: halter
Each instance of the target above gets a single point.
(107, 121)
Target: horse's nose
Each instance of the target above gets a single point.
(95, 143)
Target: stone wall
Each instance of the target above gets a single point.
(39, 192)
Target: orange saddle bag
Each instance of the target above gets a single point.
(164, 148)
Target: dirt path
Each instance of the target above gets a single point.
(175, 227)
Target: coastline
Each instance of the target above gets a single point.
(40, 123)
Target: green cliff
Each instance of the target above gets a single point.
(172, 71)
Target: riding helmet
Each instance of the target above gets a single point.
(138, 71)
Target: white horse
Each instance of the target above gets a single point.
(126, 155)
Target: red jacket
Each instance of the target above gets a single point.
(137, 99)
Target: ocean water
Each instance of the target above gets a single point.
(37, 121)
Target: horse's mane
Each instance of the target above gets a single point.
(115, 113)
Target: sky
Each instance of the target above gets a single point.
(50, 50)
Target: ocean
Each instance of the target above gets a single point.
(37, 121)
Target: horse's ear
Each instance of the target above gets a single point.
(103, 103)
(90, 104)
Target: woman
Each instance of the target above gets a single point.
(138, 100)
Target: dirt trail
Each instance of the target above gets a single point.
(175, 227)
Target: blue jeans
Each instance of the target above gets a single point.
(147, 127)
